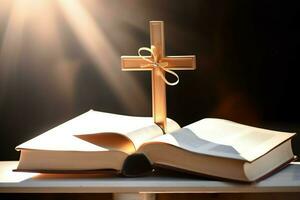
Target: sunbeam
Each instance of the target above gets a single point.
(102, 53)
(12, 41)
(32, 45)
(49, 55)
(32, 41)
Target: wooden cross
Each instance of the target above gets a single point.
(137, 63)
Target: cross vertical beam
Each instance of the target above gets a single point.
(159, 107)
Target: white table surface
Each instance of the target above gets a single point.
(287, 180)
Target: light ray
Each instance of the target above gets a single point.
(32, 42)
(4, 8)
(32, 34)
(48, 54)
(93, 40)
(113, 16)
(11, 43)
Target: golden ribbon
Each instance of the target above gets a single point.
(156, 63)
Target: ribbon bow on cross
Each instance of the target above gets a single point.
(155, 62)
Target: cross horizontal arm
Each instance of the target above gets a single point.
(134, 63)
(180, 62)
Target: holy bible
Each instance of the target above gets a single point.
(98, 141)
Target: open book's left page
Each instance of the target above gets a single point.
(98, 131)
(94, 140)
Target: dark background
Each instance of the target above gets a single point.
(247, 63)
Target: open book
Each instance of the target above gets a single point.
(103, 141)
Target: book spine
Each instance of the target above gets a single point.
(135, 165)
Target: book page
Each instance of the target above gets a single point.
(96, 131)
(224, 138)
(140, 136)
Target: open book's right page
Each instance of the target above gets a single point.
(224, 138)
